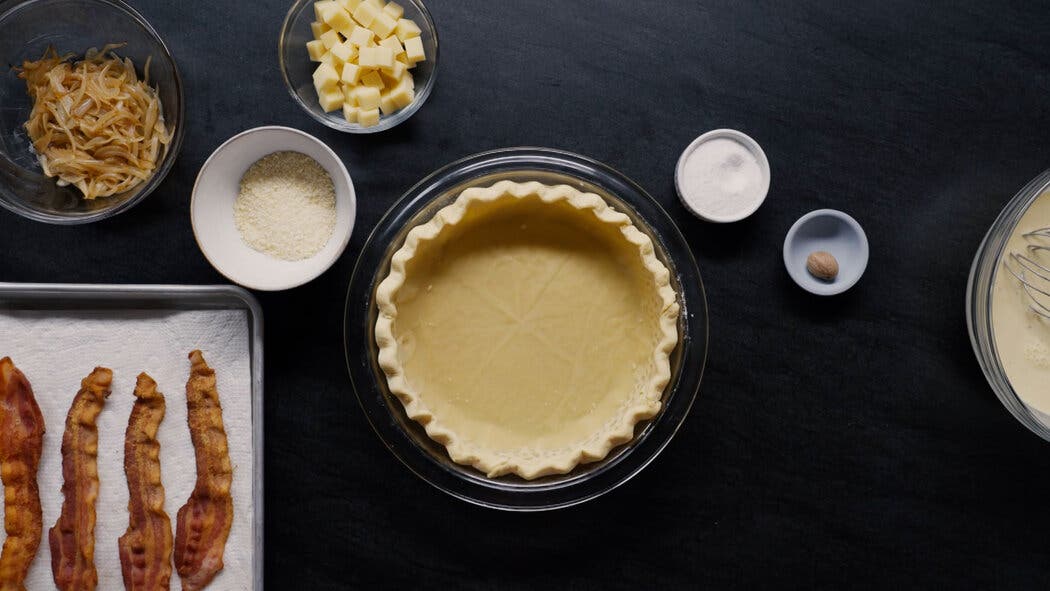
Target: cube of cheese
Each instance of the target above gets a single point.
(349, 5)
(414, 50)
(323, 8)
(395, 73)
(394, 10)
(377, 3)
(365, 13)
(367, 97)
(386, 104)
(345, 51)
(383, 25)
(316, 49)
(360, 37)
(368, 117)
(375, 57)
(340, 20)
(351, 74)
(394, 44)
(403, 94)
(318, 28)
(325, 77)
(330, 39)
(331, 99)
(350, 112)
(330, 59)
(407, 29)
(372, 79)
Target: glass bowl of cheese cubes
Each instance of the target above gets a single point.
(359, 66)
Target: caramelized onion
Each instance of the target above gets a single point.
(94, 124)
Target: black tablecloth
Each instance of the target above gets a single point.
(849, 440)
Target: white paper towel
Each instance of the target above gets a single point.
(55, 350)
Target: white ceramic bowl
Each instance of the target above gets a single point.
(215, 192)
(682, 186)
(832, 231)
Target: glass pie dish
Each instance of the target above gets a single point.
(987, 264)
(73, 26)
(408, 441)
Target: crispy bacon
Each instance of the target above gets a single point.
(203, 523)
(21, 442)
(73, 537)
(145, 549)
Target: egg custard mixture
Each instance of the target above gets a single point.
(1022, 337)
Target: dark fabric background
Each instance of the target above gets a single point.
(846, 441)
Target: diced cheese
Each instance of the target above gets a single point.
(350, 112)
(386, 104)
(368, 118)
(331, 99)
(323, 8)
(351, 74)
(356, 71)
(367, 97)
(325, 77)
(330, 59)
(318, 28)
(407, 29)
(349, 5)
(394, 10)
(372, 79)
(393, 44)
(345, 51)
(316, 49)
(340, 20)
(376, 57)
(360, 37)
(394, 73)
(414, 50)
(402, 94)
(383, 25)
(365, 13)
(327, 10)
(330, 39)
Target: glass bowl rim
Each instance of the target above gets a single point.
(980, 284)
(385, 123)
(466, 483)
(170, 156)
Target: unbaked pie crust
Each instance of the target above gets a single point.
(527, 327)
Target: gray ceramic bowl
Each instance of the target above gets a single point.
(832, 231)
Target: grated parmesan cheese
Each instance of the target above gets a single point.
(286, 206)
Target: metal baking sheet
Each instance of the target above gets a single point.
(81, 297)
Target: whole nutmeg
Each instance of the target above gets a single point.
(822, 265)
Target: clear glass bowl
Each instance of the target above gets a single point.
(410, 443)
(986, 266)
(26, 29)
(297, 69)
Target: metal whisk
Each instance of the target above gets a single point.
(1032, 268)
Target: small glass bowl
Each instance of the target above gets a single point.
(408, 441)
(297, 69)
(983, 273)
(26, 30)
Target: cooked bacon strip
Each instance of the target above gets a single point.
(21, 441)
(73, 537)
(145, 549)
(204, 521)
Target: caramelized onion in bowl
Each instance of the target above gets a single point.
(94, 124)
